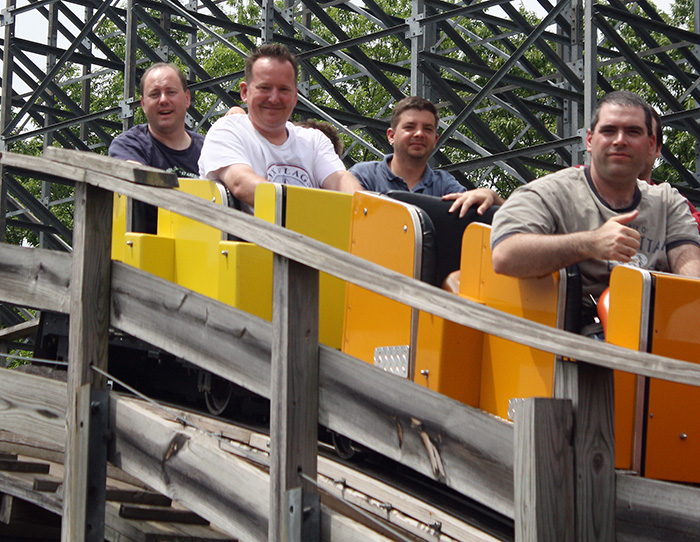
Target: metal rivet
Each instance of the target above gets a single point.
(130, 243)
(683, 436)
(405, 228)
(224, 253)
(364, 211)
(425, 372)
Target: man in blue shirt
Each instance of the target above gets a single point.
(163, 142)
(413, 134)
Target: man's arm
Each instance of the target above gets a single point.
(483, 197)
(685, 260)
(531, 255)
(241, 180)
(342, 181)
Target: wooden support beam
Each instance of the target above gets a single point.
(544, 471)
(294, 502)
(88, 344)
(591, 390)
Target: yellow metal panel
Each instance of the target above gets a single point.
(150, 253)
(245, 277)
(324, 215)
(673, 436)
(175, 225)
(267, 200)
(196, 264)
(118, 227)
(382, 232)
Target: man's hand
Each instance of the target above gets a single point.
(616, 241)
(483, 197)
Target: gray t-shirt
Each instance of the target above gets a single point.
(567, 202)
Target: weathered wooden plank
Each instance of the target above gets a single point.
(544, 471)
(83, 518)
(162, 514)
(32, 467)
(377, 279)
(34, 277)
(591, 391)
(294, 404)
(463, 447)
(46, 485)
(19, 331)
(32, 406)
(189, 467)
(466, 448)
(137, 497)
(650, 510)
(136, 173)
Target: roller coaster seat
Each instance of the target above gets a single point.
(510, 370)
(448, 230)
(239, 273)
(402, 237)
(656, 421)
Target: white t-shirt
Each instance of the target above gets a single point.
(306, 158)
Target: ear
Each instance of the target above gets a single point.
(390, 135)
(244, 91)
(189, 98)
(589, 137)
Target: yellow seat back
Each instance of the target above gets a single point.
(323, 215)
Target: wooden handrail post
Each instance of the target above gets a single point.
(294, 502)
(591, 390)
(544, 471)
(86, 467)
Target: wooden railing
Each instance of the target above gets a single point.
(553, 474)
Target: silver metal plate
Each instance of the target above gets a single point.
(393, 359)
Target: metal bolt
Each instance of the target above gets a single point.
(683, 436)
(425, 372)
(224, 253)
(405, 228)
(364, 211)
(130, 243)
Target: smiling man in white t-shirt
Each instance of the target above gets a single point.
(243, 151)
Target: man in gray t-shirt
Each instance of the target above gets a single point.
(601, 216)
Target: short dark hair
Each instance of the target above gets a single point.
(627, 99)
(659, 131)
(328, 129)
(413, 102)
(159, 65)
(270, 50)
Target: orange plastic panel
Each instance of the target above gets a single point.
(509, 370)
(673, 435)
(382, 232)
(448, 359)
(630, 291)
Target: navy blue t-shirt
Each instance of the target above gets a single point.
(139, 145)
